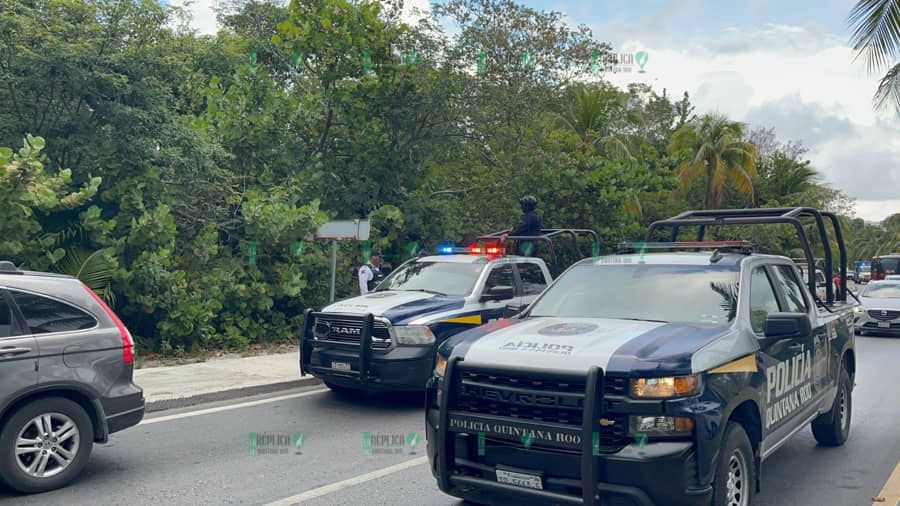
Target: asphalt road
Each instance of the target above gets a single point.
(201, 455)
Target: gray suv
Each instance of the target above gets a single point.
(66, 367)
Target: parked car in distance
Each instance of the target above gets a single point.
(885, 265)
(892, 276)
(879, 308)
(66, 367)
(864, 276)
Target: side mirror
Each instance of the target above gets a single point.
(500, 292)
(787, 326)
(513, 309)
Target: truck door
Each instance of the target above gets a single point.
(532, 280)
(817, 344)
(501, 275)
(786, 386)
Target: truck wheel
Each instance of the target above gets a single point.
(735, 471)
(833, 428)
(45, 444)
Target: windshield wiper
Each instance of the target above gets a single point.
(420, 290)
(644, 320)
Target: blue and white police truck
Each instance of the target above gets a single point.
(664, 377)
(386, 340)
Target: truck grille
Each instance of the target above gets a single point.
(884, 314)
(348, 329)
(566, 397)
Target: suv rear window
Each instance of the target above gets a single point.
(44, 315)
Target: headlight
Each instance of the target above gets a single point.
(660, 425)
(440, 365)
(664, 388)
(413, 334)
(857, 309)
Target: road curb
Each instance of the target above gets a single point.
(224, 395)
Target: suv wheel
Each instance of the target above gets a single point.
(833, 428)
(45, 444)
(735, 471)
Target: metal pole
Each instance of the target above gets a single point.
(333, 267)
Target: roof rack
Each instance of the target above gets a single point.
(7, 267)
(759, 216)
(546, 235)
(745, 247)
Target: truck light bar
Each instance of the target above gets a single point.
(490, 249)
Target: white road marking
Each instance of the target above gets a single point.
(229, 407)
(340, 485)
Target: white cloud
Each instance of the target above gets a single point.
(801, 81)
(203, 17)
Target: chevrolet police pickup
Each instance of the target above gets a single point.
(386, 340)
(664, 377)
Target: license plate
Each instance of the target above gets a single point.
(884, 325)
(520, 479)
(341, 366)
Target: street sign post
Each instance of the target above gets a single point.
(341, 230)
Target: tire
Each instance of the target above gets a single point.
(735, 482)
(67, 419)
(833, 428)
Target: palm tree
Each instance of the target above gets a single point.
(713, 146)
(876, 36)
(595, 112)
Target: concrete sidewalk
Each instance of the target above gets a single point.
(219, 379)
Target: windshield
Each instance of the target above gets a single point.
(887, 265)
(444, 278)
(668, 293)
(883, 291)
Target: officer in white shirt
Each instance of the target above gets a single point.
(370, 274)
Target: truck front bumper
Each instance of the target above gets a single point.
(656, 474)
(360, 366)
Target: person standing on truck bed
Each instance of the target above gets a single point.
(370, 273)
(529, 226)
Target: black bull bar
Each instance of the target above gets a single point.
(590, 485)
(307, 343)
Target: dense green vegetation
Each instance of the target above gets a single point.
(176, 173)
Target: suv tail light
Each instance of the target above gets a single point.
(127, 341)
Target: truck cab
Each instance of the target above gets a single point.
(662, 378)
(386, 340)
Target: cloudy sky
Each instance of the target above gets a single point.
(777, 64)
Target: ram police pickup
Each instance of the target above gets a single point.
(386, 340)
(665, 377)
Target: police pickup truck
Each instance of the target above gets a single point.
(665, 377)
(385, 340)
